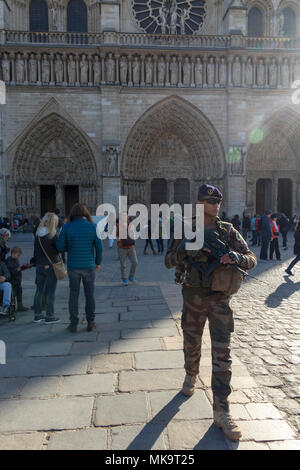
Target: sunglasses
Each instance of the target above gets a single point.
(213, 200)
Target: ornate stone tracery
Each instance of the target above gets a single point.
(170, 16)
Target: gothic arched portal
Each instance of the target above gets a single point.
(173, 140)
(272, 168)
(54, 154)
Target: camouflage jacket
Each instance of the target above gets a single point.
(229, 235)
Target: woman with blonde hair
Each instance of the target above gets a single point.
(46, 254)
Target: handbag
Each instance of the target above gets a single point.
(59, 268)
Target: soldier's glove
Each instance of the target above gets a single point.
(236, 257)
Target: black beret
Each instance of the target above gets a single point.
(207, 190)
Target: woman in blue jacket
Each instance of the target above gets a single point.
(79, 239)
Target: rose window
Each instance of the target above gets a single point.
(170, 16)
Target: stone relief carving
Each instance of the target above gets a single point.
(84, 70)
(45, 69)
(20, 69)
(5, 66)
(71, 70)
(175, 71)
(59, 69)
(111, 160)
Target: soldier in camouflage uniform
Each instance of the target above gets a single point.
(201, 303)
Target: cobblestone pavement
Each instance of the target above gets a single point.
(118, 388)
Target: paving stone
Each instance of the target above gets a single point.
(263, 411)
(44, 415)
(159, 359)
(124, 325)
(48, 349)
(28, 441)
(239, 411)
(111, 363)
(138, 437)
(285, 445)
(107, 318)
(134, 316)
(250, 445)
(86, 439)
(87, 384)
(133, 345)
(45, 366)
(268, 381)
(39, 387)
(86, 349)
(168, 405)
(125, 303)
(151, 380)
(196, 435)
(173, 342)
(11, 387)
(121, 409)
(266, 430)
(149, 333)
(163, 323)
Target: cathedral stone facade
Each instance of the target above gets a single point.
(149, 100)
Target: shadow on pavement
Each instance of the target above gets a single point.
(213, 438)
(284, 291)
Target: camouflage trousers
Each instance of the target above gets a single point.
(200, 304)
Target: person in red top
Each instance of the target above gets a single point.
(274, 246)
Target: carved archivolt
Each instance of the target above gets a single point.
(278, 144)
(54, 150)
(173, 124)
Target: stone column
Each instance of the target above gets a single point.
(244, 60)
(142, 70)
(117, 58)
(90, 60)
(275, 193)
(217, 84)
(130, 83)
(205, 72)
(39, 57)
(25, 68)
(230, 60)
(180, 71)
(59, 194)
(102, 55)
(254, 72)
(155, 70)
(193, 72)
(13, 72)
(77, 59)
(167, 82)
(170, 191)
(65, 79)
(52, 83)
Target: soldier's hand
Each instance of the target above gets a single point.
(227, 260)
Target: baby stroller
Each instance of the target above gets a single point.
(11, 314)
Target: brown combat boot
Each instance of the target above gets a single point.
(189, 383)
(223, 420)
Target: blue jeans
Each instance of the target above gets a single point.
(295, 261)
(6, 288)
(88, 280)
(45, 282)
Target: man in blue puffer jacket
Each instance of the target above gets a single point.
(79, 239)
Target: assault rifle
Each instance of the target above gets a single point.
(215, 249)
